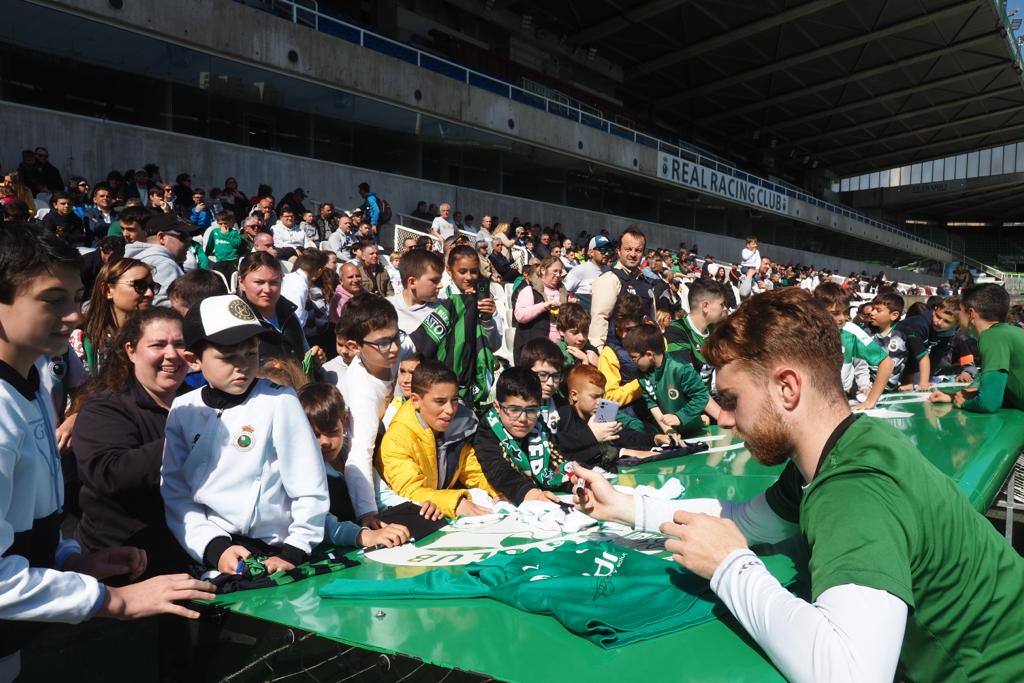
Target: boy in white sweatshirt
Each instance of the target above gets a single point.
(43, 576)
(242, 473)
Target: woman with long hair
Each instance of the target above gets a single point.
(122, 287)
(259, 285)
(16, 190)
(119, 439)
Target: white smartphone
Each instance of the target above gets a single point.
(606, 410)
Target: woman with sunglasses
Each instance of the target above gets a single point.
(119, 441)
(122, 287)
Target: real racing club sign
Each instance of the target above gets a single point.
(710, 181)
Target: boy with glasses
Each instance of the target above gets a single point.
(373, 340)
(544, 358)
(514, 446)
(427, 454)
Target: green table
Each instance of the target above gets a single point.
(487, 637)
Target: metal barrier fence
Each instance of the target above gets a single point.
(311, 16)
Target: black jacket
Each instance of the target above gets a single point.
(577, 443)
(69, 228)
(291, 343)
(503, 266)
(119, 443)
(505, 477)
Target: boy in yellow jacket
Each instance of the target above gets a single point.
(430, 420)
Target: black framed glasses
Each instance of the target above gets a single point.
(516, 412)
(383, 345)
(549, 376)
(142, 286)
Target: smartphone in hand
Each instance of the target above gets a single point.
(606, 410)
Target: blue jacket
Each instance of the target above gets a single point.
(203, 219)
(371, 207)
(92, 219)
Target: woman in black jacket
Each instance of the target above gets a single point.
(259, 285)
(119, 441)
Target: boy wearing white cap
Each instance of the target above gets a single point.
(242, 473)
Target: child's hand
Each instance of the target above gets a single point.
(467, 508)
(866, 405)
(604, 431)
(669, 421)
(389, 536)
(578, 354)
(276, 564)
(430, 511)
(705, 419)
(959, 398)
(940, 397)
(906, 387)
(537, 494)
(486, 307)
(318, 355)
(592, 358)
(964, 377)
(229, 559)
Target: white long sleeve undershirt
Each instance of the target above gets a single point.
(850, 633)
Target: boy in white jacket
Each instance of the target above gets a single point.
(242, 472)
(43, 576)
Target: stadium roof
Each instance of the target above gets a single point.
(847, 86)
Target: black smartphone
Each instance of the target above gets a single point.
(483, 288)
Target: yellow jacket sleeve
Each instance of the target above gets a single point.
(614, 389)
(411, 472)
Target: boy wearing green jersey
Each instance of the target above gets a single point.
(675, 394)
(907, 580)
(686, 335)
(856, 344)
(226, 244)
(983, 308)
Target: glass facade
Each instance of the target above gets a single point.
(977, 164)
(105, 72)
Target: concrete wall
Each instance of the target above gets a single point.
(91, 147)
(334, 62)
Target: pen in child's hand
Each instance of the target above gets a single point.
(240, 567)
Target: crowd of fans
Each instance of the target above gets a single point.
(451, 371)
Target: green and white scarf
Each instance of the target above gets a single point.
(539, 461)
(452, 334)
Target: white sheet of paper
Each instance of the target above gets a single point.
(707, 438)
(887, 414)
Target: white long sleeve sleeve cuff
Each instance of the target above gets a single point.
(851, 633)
(754, 517)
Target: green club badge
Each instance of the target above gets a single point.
(245, 440)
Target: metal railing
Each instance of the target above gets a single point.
(323, 23)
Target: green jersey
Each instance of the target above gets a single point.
(1002, 350)
(226, 246)
(606, 593)
(676, 389)
(858, 344)
(685, 342)
(571, 360)
(877, 514)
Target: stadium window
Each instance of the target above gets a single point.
(915, 173)
(949, 168)
(926, 171)
(985, 163)
(960, 172)
(972, 164)
(1009, 158)
(997, 160)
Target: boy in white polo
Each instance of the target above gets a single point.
(242, 472)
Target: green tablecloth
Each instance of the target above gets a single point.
(487, 637)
